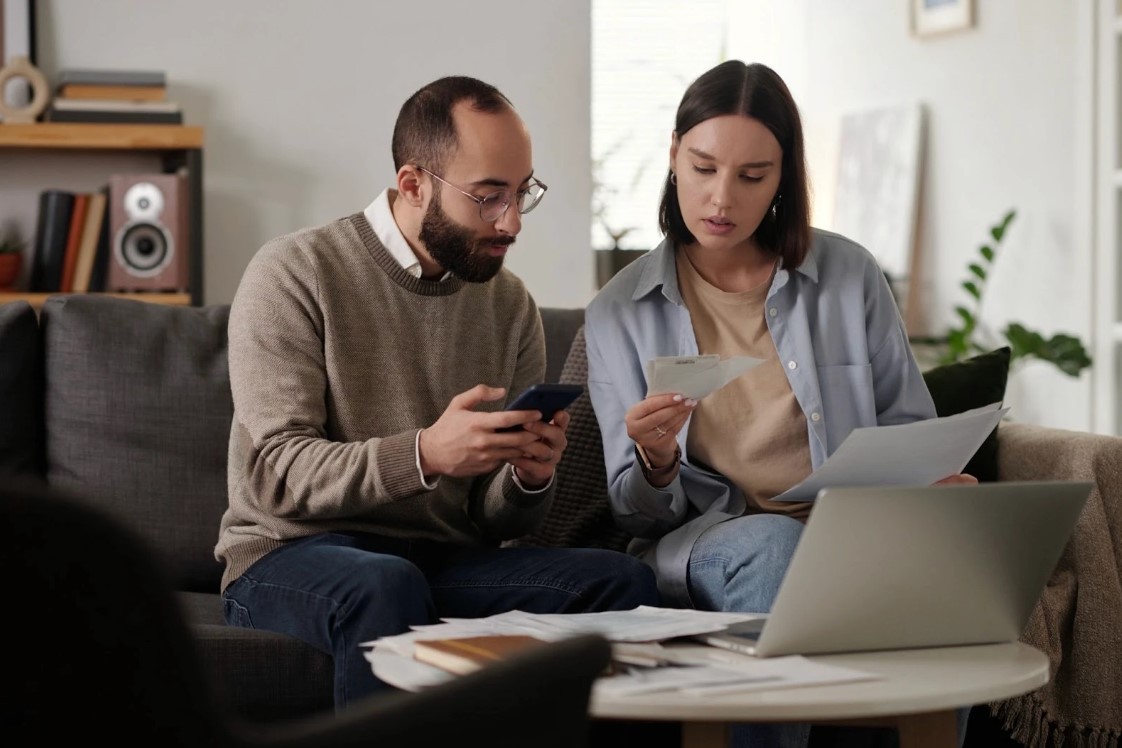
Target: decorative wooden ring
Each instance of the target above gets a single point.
(21, 67)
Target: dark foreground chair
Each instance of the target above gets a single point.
(98, 649)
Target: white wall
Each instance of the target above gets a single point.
(299, 98)
(1007, 127)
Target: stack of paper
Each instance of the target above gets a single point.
(644, 664)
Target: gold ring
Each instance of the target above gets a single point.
(661, 433)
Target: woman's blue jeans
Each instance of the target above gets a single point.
(337, 590)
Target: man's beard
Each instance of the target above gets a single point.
(456, 248)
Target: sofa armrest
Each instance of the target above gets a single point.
(1075, 622)
(1030, 452)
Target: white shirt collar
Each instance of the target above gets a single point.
(380, 216)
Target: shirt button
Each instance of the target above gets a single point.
(773, 311)
(816, 416)
(792, 365)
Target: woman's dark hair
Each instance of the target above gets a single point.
(425, 133)
(758, 92)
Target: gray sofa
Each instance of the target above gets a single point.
(128, 404)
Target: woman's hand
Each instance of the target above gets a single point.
(654, 424)
(961, 479)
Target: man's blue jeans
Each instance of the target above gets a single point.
(738, 565)
(336, 590)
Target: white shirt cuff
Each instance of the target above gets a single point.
(417, 451)
(514, 475)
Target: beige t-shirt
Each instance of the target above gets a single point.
(752, 431)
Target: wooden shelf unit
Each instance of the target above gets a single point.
(37, 299)
(179, 146)
(101, 137)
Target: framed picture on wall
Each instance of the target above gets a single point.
(939, 16)
(17, 39)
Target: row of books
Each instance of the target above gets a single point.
(87, 95)
(71, 250)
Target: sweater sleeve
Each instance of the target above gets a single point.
(278, 378)
(500, 507)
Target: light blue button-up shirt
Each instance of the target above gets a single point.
(843, 346)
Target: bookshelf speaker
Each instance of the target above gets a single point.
(148, 232)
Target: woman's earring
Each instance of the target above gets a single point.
(775, 206)
(674, 178)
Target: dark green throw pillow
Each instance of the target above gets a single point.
(972, 383)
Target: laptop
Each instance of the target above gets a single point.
(907, 567)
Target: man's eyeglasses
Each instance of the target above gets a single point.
(493, 206)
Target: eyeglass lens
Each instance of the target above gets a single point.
(495, 204)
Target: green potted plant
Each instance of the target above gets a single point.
(1065, 352)
(11, 260)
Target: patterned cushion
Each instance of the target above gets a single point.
(580, 516)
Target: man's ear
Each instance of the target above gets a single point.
(410, 185)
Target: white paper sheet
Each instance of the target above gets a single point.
(912, 454)
(642, 624)
(695, 377)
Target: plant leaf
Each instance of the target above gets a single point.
(967, 316)
(972, 289)
(987, 252)
(978, 270)
(998, 231)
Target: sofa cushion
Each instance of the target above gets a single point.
(972, 383)
(21, 400)
(264, 676)
(138, 411)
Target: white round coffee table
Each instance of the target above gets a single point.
(916, 691)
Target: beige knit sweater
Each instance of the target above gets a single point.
(338, 357)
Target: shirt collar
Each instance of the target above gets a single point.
(661, 271)
(379, 214)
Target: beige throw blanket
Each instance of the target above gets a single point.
(1078, 621)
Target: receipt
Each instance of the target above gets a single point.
(695, 377)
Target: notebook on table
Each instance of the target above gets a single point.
(906, 567)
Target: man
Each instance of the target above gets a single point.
(369, 361)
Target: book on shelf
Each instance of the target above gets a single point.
(87, 249)
(112, 105)
(101, 77)
(73, 240)
(112, 93)
(51, 232)
(468, 654)
(113, 110)
(99, 273)
(113, 117)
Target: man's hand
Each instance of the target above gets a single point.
(535, 467)
(464, 443)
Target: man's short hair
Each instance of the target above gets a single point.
(425, 134)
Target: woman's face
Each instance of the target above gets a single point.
(728, 170)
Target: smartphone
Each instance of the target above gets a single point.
(545, 398)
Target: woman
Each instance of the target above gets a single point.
(740, 272)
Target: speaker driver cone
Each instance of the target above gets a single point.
(144, 249)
